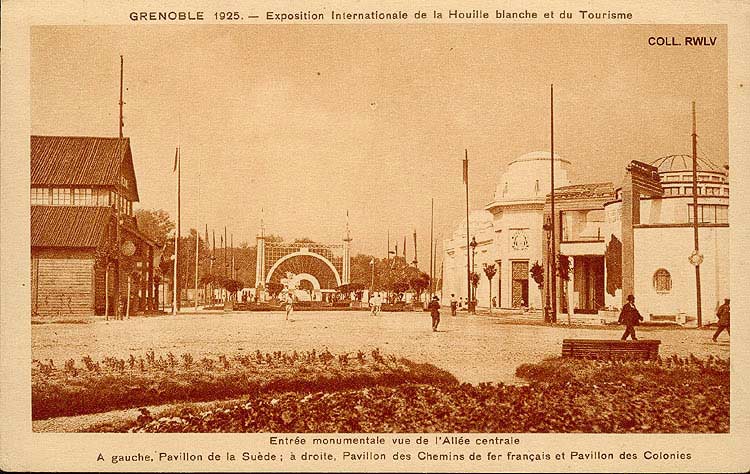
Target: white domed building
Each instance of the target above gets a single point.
(508, 235)
(657, 238)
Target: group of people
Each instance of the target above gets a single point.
(457, 304)
(376, 304)
(629, 315)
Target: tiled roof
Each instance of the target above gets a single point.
(586, 190)
(68, 226)
(78, 161)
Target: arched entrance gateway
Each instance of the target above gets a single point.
(312, 270)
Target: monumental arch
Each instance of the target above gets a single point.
(314, 268)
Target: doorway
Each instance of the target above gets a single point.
(588, 283)
(520, 284)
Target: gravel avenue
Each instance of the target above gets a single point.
(473, 348)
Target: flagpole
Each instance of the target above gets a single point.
(468, 255)
(388, 248)
(175, 284)
(553, 257)
(695, 225)
(432, 221)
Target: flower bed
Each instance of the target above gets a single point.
(665, 396)
(98, 386)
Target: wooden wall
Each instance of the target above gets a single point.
(62, 283)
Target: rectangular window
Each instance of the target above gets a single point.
(688, 191)
(722, 214)
(61, 197)
(82, 197)
(710, 214)
(40, 196)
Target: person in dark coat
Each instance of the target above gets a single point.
(723, 314)
(630, 317)
(434, 308)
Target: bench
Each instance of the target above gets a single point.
(645, 349)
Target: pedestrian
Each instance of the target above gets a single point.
(630, 317)
(371, 302)
(461, 302)
(434, 308)
(723, 314)
(494, 302)
(289, 303)
(378, 303)
(454, 304)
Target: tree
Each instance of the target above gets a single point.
(274, 288)
(232, 286)
(490, 271)
(156, 224)
(474, 283)
(419, 284)
(537, 274)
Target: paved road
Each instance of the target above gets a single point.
(473, 348)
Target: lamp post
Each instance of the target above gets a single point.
(547, 227)
(472, 302)
(372, 278)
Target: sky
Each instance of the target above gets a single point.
(300, 124)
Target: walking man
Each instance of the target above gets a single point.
(372, 301)
(434, 308)
(630, 317)
(378, 303)
(454, 304)
(289, 303)
(723, 314)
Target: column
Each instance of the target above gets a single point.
(346, 267)
(631, 215)
(260, 267)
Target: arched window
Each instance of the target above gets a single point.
(505, 188)
(536, 187)
(662, 281)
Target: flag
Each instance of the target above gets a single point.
(176, 158)
(466, 170)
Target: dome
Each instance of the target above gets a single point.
(538, 156)
(527, 178)
(682, 163)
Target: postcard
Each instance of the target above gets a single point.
(374, 236)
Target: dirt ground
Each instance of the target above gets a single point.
(473, 348)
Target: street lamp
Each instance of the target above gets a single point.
(472, 302)
(372, 279)
(547, 227)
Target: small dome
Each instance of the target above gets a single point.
(527, 178)
(670, 163)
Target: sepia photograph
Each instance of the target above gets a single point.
(378, 228)
(373, 237)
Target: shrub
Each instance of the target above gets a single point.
(681, 396)
(119, 385)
